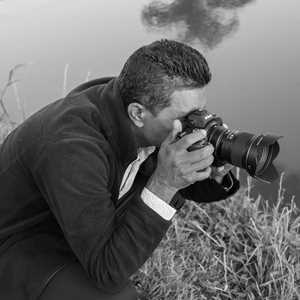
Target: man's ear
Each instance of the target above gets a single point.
(136, 113)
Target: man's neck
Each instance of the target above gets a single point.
(139, 137)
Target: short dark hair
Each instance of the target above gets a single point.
(153, 72)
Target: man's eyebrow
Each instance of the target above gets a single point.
(193, 109)
(182, 115)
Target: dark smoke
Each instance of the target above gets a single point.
(203, 20)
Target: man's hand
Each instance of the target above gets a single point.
(178, 168)
(217, 173)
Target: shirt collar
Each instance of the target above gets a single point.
(144, 152)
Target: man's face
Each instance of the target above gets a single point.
(156, 129)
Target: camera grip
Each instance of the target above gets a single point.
(200, 144)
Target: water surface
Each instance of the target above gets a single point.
(252, 47)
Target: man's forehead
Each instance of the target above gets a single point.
(185, 101)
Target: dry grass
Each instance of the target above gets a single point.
(6, 123)
(229, 249)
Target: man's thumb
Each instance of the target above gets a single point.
(177, 127)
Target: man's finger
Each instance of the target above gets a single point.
(177, 128)
(223, 170)
(191, 139)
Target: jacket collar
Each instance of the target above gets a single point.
(117, 124)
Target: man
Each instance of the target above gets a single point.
(90, 183)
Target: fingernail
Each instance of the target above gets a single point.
(178, 125)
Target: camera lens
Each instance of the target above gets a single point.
(247, 151)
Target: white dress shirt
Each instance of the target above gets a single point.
(158, 205)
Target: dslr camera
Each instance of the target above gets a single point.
(253, 153)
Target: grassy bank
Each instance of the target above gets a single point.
(231, 249)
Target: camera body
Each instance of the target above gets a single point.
(201, 119)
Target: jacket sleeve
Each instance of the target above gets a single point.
(72, 174)
(209, 190)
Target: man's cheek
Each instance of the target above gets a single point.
(165, 134)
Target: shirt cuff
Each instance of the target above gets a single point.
(158, 205)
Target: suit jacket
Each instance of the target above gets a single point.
(60, 174)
